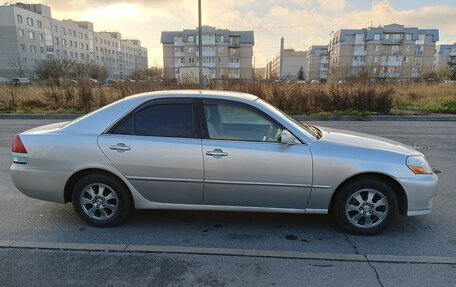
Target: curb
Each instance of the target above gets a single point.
(127, 248)
(434, 117)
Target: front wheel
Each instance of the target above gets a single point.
(365, 206)
(101, 200)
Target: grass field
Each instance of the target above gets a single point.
(349, 98)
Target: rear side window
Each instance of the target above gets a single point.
(164, 120)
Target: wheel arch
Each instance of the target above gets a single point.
(68, 190)
(397, 187)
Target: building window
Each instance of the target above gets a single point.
(233, 60)
(191, 49)
(408, 36)
(81, 45)
(406, 59)
(40, 36)
(41, 50)
(234, 73)
(220, 49)
(377, 37)
(64, 43)
(21, 33)
(33, 49)
(56, 30)
(375, 59)
(39, 24)
(376, 48)
(220, 60)
(359, 38)
(24, 61)
(80, 35)
(394, 49)
(191, 38)
(29, 21)
(19, 19)
(32, 35)
(23, 47)
(191, 60)
(74, 33)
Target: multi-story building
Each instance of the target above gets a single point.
(292, 62)
(391, 51)
(445, 57)
(226, 54)
(29, 34)
(317, 63)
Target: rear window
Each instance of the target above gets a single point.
(164, 120)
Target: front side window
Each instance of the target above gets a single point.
(227, 121)
(162, 120)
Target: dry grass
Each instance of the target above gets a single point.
(292, 98)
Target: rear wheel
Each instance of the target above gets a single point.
(365, 206)
(101, 200)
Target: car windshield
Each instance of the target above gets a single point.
(308, 128)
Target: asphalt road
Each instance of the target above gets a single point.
(27, 219)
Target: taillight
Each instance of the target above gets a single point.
(19, 152)
(18, 146)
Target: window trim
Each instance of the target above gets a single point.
(203, 123)
(156, 102)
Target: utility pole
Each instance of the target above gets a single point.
(200, 44)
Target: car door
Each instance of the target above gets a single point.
(245, 163)
(157, 148)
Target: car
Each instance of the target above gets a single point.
(20, 81)
(222, 151)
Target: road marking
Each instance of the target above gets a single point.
(227, 252)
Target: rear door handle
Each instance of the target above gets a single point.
(120, 147)
(216, 152)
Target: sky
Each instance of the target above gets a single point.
(301, 22)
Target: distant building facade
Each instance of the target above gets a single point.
(29, 34)
(445, 57)
(292, 63)
(318, 63)
(226, 54)
(391, 51)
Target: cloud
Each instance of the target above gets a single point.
(333, 5)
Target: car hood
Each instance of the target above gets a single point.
(355, 139)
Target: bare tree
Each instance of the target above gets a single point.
(18, 66)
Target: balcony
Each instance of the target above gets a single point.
(233, 44)
(359, 53)
(393, 41)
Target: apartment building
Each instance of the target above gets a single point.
(445, 57)
(29, 34)
(292, 61)
(226, 54)
(391, 51)
(317, 63)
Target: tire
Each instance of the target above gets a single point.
(101, 200)
(365, 206)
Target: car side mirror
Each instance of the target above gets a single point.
(287, 138)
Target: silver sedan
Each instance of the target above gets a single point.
(208, 150)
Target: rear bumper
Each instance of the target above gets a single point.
(41, 184)
(421, 191)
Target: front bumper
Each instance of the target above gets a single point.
(41, 184)
(421, 191)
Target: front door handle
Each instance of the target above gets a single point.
(217, 152)
(120, 147)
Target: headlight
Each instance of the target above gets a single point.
(418, 164)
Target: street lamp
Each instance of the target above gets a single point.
(200, 44)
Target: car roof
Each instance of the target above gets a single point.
(195, 94)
